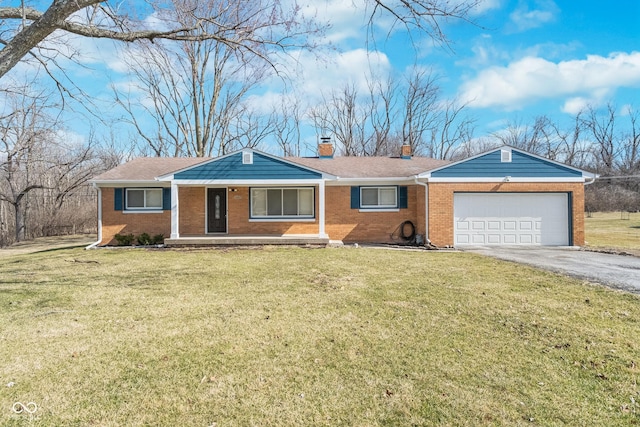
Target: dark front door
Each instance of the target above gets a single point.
(216, 210)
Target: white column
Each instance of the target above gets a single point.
(99, 214)
(321, 230)
(175, 232)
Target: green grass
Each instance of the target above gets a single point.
(289, 336)
(613, 231)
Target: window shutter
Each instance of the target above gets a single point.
(355, 197)
(118, 196)
(166, 199)
(403, 197)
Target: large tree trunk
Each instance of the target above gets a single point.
(20, 213)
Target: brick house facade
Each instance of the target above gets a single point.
(348, 199)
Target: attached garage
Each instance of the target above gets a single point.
(512, 219)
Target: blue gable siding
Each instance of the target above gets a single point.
(263, 167)
(521, 166)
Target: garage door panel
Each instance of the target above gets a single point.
(509, 239)
(511, 218)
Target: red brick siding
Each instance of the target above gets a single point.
(352, 225)
(117, 222)
(441, 205)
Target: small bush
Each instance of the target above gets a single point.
(124, 239)
(158, 239)
(144, 239)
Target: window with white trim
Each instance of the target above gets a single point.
(282, 202)
(144, 198)
(378, 197)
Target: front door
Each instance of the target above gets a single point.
(216, 210)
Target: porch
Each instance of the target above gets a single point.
(247, 240)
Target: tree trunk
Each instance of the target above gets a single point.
(20, 214)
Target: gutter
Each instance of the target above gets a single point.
(426, 208)
(95, 244)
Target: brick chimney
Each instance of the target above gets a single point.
(406, 152)
(325, 148)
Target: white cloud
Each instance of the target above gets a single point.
(575, 105)
(524, 18)
(346, 18)
(317, 77)
(485, 6)
(531, 78)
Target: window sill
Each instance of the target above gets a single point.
(290, 219)
(142, 211)
(379, 210)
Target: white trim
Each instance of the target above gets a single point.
(426, 208)
(505, 155)
(373, 182)
(142, 208)
(99, 238)
(284, 217)
(175, 214)
(379, 210)
(511, 179)
(247, 157)
(247, 182)
(321, 210)
(130, 183)
(287, 219)
(378, 206)
(142, 211)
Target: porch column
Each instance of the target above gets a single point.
(175, 232)
(321, 230)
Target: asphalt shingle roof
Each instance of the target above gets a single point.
(370, 167)
(148, 168)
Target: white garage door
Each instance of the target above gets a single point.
(511, 219)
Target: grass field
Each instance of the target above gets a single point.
(291, 336)
(613, 231)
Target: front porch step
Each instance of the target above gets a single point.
(296, 240)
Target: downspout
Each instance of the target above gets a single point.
(94, 244)
(426, 209)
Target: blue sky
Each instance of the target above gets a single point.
(524, 58)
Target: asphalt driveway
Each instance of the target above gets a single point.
(616, 271)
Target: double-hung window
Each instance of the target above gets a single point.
(144, 198)
(379, 197)
(282, 202)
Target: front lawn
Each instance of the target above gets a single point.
(613, 231)
(293, 337)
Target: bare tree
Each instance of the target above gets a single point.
(420, 113)
(39, 172)
(342, 116)
(287, 125)
(453, 130)
(28, 26)
(630, 155)
(425, 16)
(22, 129)
(602, 128)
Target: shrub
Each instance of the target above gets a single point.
(144, 239)
(158, 239)
(124, 239)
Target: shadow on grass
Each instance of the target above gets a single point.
(61, 248)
